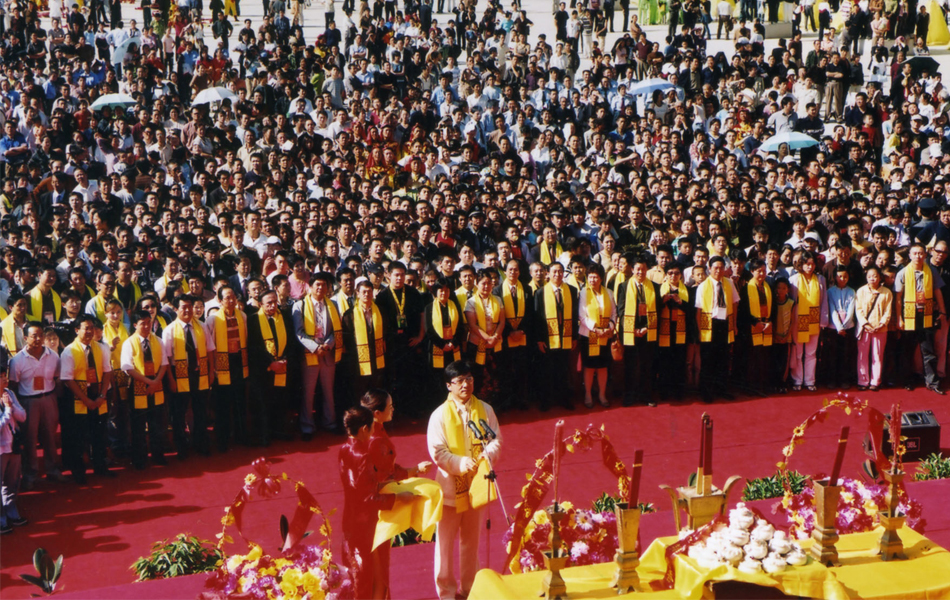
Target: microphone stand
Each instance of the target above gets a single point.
(486, 437)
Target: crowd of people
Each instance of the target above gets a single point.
(408, 190)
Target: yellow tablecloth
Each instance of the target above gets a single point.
(422, 513)
(925, 575)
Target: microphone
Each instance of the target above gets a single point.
(475, 430)
(488, 430)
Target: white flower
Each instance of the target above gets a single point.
(578, 550)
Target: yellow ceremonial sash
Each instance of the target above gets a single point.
(705, 292)
(809, 308)
(601, 318)
(546, 257)
(344, 303)
(618, 280)
(180, 356)
(455, 433)
(100, 304)
(668, 316)
(481, 320)
(36, 305)
(438, 355)
(914, 301)
(362, 340)
(3, 313)
(222, 356)
(572, 281)
(139, 398)
(462, 295)
(80, 370)
(559, 337)
(755, 309)
(120, 378)
(136, 295)
(514, 313)
(274, 349)
(8, 328)
(632, 310)
(184, 284)
(310, 328)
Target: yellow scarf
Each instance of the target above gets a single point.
(343, 302)
(455, 433)
(632, 310)
(446, 333)
(222, 357)
(120, 379)
(559, 337)
(602, 319)
(755, 309)
(668, 316)
(184, 284)
(140, 399)
(136, 295)
(362, 340)
(480, 318)
(3, 313)
(36, 305)
(706, 293)
(462, 295)
(514, 313)
(546, 257)
(180, 356)
(100, 304)
(912, 299)
(80, 369)
(274, 349)
(809, 308)
(310, 328)
(572, 281)
(8, 328)
(619, 278)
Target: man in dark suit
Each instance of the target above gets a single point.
(403, 306)
(518, 302)
(638, 304)
(270, 341)
(555, 333)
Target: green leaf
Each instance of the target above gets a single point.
(59, 568)
(33, 579)
(38, 560)
(49, 567)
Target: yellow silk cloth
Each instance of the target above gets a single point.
(422, 513)
(862, 574)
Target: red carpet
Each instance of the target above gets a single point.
(104, 528)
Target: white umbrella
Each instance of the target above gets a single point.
(214, 94)
(113, 100)
(118, 55)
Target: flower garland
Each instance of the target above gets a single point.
(299, 571)
(858, 507)
(843, 401)
(589, 537)
(538, 484)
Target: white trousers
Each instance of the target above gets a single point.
(467, 527)
(324, 373)
(804, 359)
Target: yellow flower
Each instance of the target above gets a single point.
(293, 577)
(847, 497)
(311, 583)
(255, 553)
(227, 520)
(327, 555)
(280, 563)
(269, 571)
(284, 476)
(250, 479)
(289, 590)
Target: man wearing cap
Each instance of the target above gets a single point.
(318, 328)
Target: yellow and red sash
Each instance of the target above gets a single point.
(149, 369)
(559, 337)
(455, 433)
(755, 310)
(633, 309)
(81, 373)
(705, 292)
(809, 308)
(446, 333)
(598, 316)
(514, 313)
(224, 345)
(482, 321)
(914, 301)
(362, 340)
(668, 316)
(180, 356)
(274, 347)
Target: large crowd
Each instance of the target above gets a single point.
(408, 189)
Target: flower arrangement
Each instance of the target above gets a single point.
(306, 571)
(589, 537)
(858, 507)
(297, 571)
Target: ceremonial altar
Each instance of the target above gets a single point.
(861, 574)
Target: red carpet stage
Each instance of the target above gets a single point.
(103, 528)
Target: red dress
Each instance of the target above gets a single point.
(382, 454)
(362, 502)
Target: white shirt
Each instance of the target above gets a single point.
(168, 337)
(128, 364)
(27, 370)
(67, 366)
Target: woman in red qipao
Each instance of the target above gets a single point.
(382, 454)
(362, 500)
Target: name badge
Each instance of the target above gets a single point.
(39, 385)
(234, 346)
(91, 376)
(719, 313)
(641, 309)
(149, 369)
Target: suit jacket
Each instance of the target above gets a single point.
(540, 321)
(258, 356)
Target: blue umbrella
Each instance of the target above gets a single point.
(794, 140)
(649, 86)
